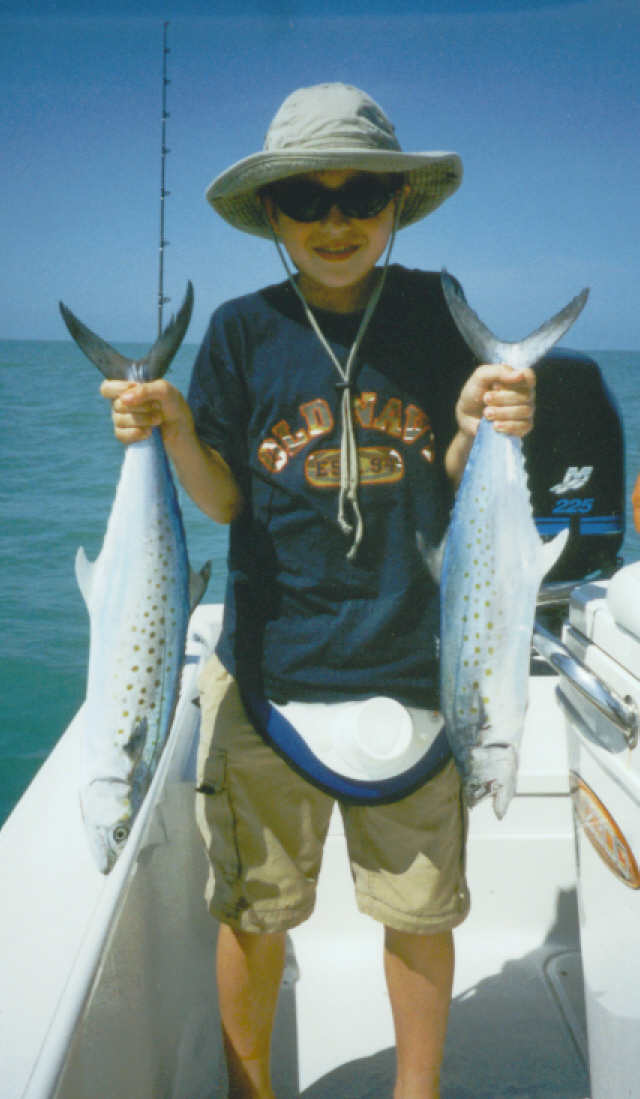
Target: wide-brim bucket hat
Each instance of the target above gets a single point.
(331, 127)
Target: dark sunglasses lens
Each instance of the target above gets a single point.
(364, 198)
(304, 200)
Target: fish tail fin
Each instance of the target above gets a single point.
(489, 349)
(113, 365)
(109, 361)
(157, 362)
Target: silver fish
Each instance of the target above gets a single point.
(492, 566)
(139, 593)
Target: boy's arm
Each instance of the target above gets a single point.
(137, 407)
(496, 393)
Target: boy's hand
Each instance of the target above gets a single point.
(137, 407)
(501, 395)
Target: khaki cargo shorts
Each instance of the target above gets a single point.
(264, 829)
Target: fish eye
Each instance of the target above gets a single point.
(120, 834)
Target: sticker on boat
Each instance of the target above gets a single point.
(603, 832)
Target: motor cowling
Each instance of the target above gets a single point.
(575, 463)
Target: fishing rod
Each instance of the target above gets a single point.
(164, 150)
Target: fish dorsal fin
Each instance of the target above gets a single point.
(551, 551)
(84, 574)
(489, 349)
(198, 584)
(114, 365)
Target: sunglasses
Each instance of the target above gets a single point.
(363, 196)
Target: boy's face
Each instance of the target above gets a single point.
(336, 254)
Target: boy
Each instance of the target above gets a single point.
(329, 419)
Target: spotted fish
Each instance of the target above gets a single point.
(493, 563)
(139, 593)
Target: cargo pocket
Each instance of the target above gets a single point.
(214, 815)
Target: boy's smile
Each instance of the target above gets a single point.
(335, 255)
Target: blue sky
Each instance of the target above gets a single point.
(541, 100)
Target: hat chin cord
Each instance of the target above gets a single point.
(350, 518)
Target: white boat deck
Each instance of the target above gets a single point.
(107, 983)
(517, 1025)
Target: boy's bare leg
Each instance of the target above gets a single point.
(419, 972)
(249, 970)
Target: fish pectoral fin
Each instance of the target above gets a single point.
(552, 550)
(84, 574)
(198, 584)
(432, 556)
(134, 747)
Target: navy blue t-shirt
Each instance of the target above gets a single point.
(319, 626)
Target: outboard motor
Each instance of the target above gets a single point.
(575, 462)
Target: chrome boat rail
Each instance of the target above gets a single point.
(557, 593)
(621, 713)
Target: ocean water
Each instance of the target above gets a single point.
(60, 464)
